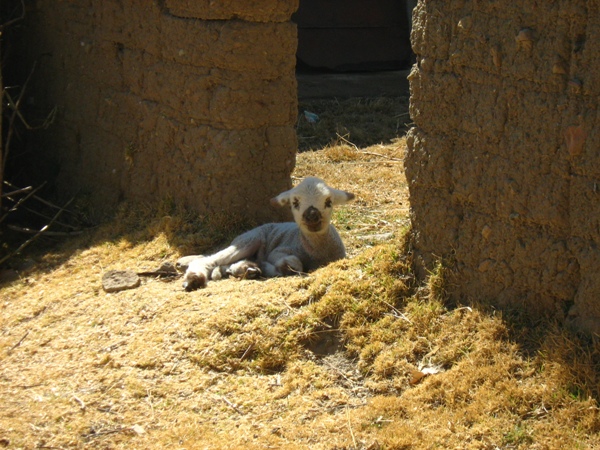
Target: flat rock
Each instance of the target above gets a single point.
(120, 280)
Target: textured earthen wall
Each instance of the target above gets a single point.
(504, 161)
(193, 100)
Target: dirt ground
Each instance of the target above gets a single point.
(356, 355)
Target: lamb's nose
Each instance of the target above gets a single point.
(312, 215)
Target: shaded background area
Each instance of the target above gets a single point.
(349, 35)
(352, 66)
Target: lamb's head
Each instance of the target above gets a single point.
(312, 203)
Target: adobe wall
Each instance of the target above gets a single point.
(503, 161)
(182, 99)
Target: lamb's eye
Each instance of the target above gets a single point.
(328, 203)
(296, 203)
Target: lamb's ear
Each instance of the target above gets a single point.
(282, 199)
(340, 197)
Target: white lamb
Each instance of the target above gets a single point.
(279, 249)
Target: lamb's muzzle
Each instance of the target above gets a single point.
(279, 249)
(312, 218)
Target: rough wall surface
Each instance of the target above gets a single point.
(190, 100)
(503, 162)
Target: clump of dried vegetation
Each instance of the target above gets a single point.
(357, 355)
(369, 121)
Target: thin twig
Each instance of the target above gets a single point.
(41, 200)
(47, 121)
(391, 158)
(399, 313)
(160, 274)
(232, 405)
(21, 201)
(20, 341)
(17, 192)
(81, 403)
(37, 235)
(250, 347)
(348, 142)
(15, 106)
(46, 233)
(350, 427)
(44, 216)
(95, 434)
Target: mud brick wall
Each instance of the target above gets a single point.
(190, 100)
(504, 158)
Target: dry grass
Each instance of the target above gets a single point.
(354, 356)
(365, 121)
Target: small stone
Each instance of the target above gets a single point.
(525, 39)
(496, 53)
(486, 265)
(486, 232)
(575, 137)
(138, 429)
(120, 280)
(560, 66)
(576, 85)
(465, 23)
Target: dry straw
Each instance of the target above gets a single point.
(357, 355)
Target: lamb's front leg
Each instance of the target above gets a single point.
(199, 270)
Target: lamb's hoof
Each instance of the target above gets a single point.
(219, 273)
(194, 281)
(246, 271)
(252, 273)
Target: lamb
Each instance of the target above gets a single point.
(279, 249)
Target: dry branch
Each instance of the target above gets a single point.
(232, 406)
(36, 235)
(15, 105)
(43, 201)
(21, 200)
(17, 192)
(46, 232)
(20, 341)
(47, 121)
